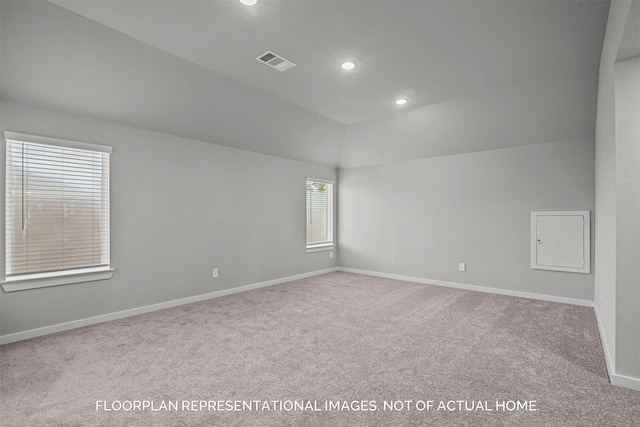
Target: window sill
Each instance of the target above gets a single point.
(45, 280)
(320, 248)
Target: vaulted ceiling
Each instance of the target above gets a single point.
(478, 74)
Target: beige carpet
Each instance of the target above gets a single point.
(329, 350)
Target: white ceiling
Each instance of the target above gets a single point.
(480, 74)
(430, 50)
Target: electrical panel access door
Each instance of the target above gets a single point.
(561, 241)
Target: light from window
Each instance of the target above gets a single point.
(319, 213)
(57, 206)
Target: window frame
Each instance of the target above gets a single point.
(330, 244)
(54, 278)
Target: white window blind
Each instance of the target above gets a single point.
(57, 205)
(319, 213)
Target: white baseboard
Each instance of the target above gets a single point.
(531, 295)
(624, 381)
(60, 327)
(616, 379)
(605, 346)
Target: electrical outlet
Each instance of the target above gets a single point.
(462, 266)
(331, 254)
(215, 273)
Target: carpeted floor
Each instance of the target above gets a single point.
(329, 350)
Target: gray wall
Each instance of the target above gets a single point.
(627, 105)
(617, 280)
(421, 217)
(179, 208)
(605, 238)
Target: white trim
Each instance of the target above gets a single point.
(616, 379)
(64, 277)
(38, 139)
(320, 248)
(605, 347)
(624, 381)
(43, 280)
(477, 288)
(61, 327)
(326, 181)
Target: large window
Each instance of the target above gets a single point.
(56, 210)
(319, 214)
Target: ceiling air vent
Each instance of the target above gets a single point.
(276, 61)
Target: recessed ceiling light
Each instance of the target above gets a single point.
(348, 65)
(401, 101)
(249, 2)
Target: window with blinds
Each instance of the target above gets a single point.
(319, 213)
(57, 206)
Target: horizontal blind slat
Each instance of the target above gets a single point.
(319, 215)
(57, 208)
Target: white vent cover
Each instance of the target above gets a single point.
(276, 61)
